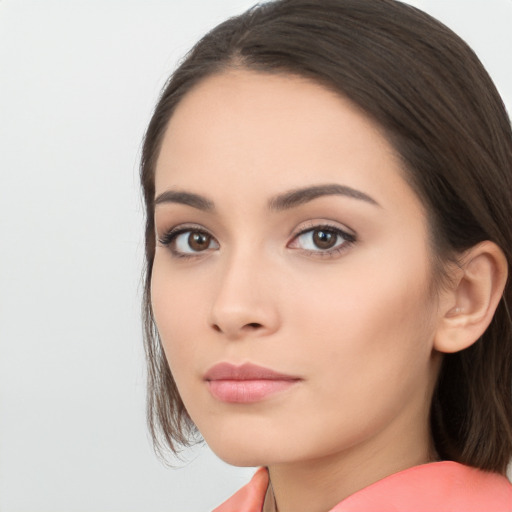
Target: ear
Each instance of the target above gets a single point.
(468, 305)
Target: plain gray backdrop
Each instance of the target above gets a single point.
(78, 81)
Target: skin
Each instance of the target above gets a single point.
(357, 326)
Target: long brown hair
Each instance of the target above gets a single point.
(440, 110)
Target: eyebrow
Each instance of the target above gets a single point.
(300, 196)
(188, 198)
(280, 202)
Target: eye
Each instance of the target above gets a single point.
(185, 242)
(322, 239)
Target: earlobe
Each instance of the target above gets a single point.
(467, 308)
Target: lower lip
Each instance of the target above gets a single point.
(247, 391)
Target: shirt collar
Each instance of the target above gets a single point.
(440, 486)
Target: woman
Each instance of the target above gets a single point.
(328, 192)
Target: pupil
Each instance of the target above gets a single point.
(198, 241)
(324, 239)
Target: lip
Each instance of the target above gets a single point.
(246, 383)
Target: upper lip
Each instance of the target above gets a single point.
(247, 371)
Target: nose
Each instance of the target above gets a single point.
(245, 304)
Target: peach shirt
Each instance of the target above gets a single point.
(436, 487)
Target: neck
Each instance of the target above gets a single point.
(318, 485)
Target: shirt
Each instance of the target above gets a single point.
(436, 487)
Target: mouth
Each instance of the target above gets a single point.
(247, 383)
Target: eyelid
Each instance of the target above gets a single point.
(322, 223)
(179, 228)
(347, 234)
(169, 237)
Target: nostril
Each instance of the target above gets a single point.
(249, 327)
(236, 329)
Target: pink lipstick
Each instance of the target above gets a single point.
(246, 383)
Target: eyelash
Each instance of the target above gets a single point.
(169, 239)
(348, 240)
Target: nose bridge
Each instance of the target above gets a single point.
(243, 302)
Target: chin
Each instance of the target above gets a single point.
(242, 452)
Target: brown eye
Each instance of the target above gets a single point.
(187, 242)
(324, 238)
(199, 241)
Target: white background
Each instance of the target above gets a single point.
(78, 81)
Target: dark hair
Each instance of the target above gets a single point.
(441, 112)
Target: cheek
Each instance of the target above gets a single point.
(373, 325)
(367, 347)
(176, 311)
(179, 315)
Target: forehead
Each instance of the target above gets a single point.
(260, 133)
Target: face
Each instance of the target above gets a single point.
(291, 278)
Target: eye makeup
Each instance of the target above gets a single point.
(188, 241)
(321, 239)
(315, 239)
